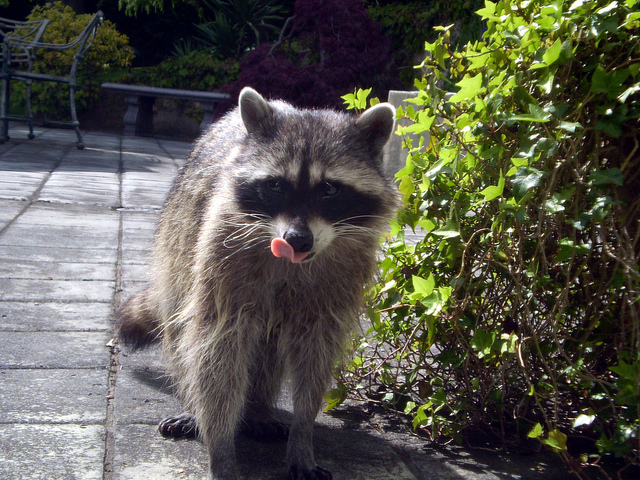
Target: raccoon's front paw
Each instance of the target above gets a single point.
(299, 473)
(269, 431)
(182, 426)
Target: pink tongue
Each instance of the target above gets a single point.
(281, 248)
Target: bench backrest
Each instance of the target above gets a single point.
(27, 32)
(82, 43)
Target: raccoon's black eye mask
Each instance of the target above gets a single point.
(282, 187)
(330, 200)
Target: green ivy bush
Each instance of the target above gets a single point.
(109, 51)
(517, 313)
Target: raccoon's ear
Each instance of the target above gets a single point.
(256, 113)
(376, 125)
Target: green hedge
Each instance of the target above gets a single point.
(517, 314)
(196, 70)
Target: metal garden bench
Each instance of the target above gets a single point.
(12, 69)
(138, 119)
(29, 32)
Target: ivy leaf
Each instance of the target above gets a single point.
(612, 84)
(627, 371)
(556, 440)
(448, 231)
(570, 127)
(493, 192)
(536, 114)
(335, 397)
(525, 179)
(406, 186)
(482, 341)
(622, 98)
(606, 177)
(536, 431)
(361, 98)
(553, 53)
(423, 286)
(469, 88)
(583, 419)
(488, 11)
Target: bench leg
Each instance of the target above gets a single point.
(138, 120)
(4, 109)
(28, 83)
(74, 116)
(209, 110)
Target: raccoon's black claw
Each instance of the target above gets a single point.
(271, 431)
(182, 426)
(299, 473)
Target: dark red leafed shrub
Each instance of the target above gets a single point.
(333, 47)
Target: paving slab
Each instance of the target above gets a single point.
(50, 451)
(70, 215)
(33, 269)
(59, 236)
(54, 316)
(145, 396)
(75, 188)
(9, 209)
(40, 253)
(135, 272)
(21, 290)
(142, 453)
(33, 157)
(19, 185)
(142, 190)
(30, 350)
(53, 396)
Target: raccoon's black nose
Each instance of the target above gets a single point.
(300, 238)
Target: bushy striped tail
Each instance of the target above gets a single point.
(136, 325)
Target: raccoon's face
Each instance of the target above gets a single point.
(306, 216)
(309, 179)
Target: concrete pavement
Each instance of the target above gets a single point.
(75, 233)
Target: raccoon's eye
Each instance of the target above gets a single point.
(275, 186)
(329, 189)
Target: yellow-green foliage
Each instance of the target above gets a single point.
(109, 50)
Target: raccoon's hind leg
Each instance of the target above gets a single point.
(136, 323)
(259, 420)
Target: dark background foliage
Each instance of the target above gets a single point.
(328, 48)
(333, 47)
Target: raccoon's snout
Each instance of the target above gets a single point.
(295, 245)
(300, 238)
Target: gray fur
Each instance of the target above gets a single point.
(232, 317)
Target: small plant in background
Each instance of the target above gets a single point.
(109, 51)
(516, 314)
(239, 25)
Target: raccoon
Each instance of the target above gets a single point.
(264, 245)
